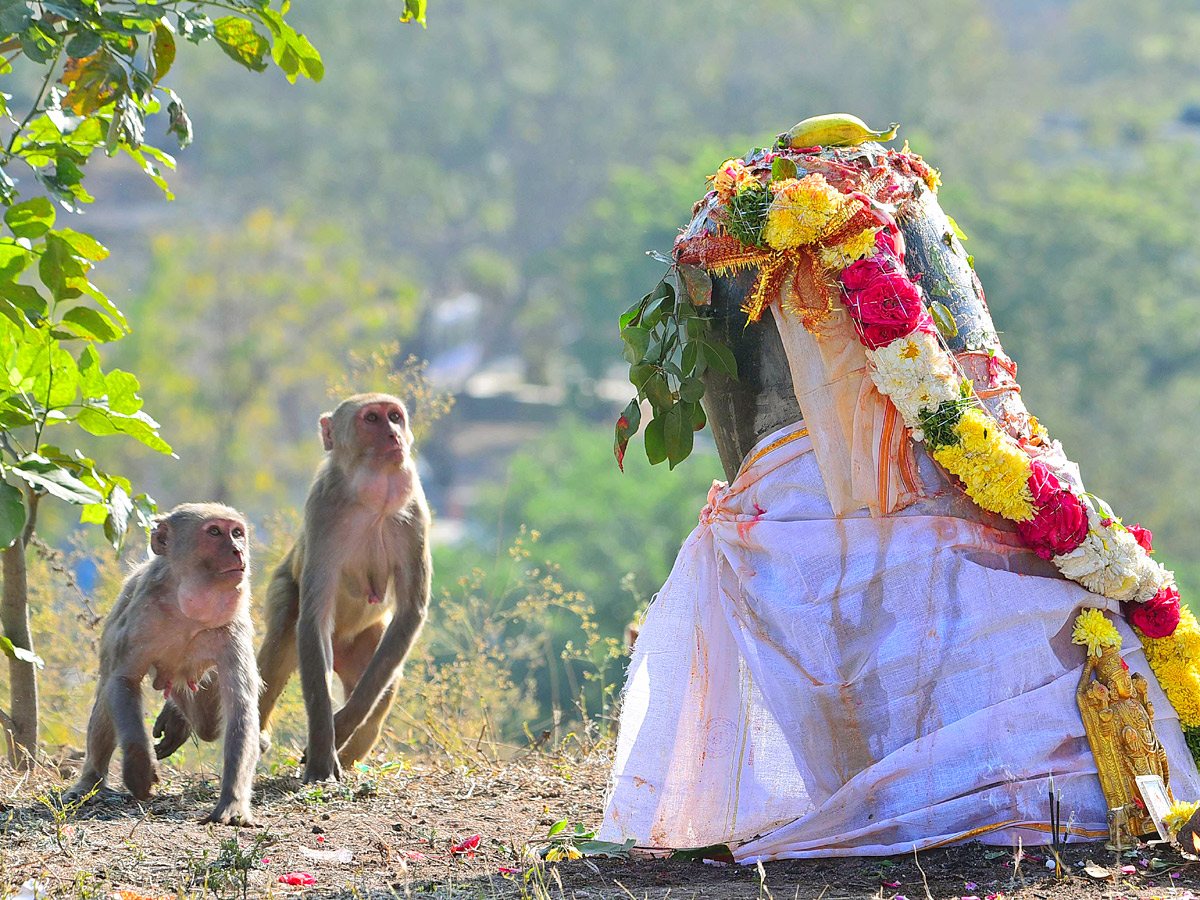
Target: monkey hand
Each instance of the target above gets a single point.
(232, 812)
(139, 771)
(172, 728)
(264, 742)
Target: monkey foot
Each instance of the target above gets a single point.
(315, 772)
(235, 814)
(139, 771)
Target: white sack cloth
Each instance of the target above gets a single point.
(807, 685)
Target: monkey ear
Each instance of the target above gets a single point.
(158, 538)
(327, 430)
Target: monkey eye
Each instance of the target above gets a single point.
(214, 530)
(394, 415)
(237, 532)
(371, 417)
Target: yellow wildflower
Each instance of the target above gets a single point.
(1179, 815)
(805, 210)
(1094, 631)
(994, 469)
(850, 250)
(732, 177)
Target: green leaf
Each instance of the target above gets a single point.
(637, 341)
(12, 513)
(83, 244)
(30, 219)
(606, 848)
(627, 426)
(7, 648)
(120, 509)
(122, 389)
(88, 323)
(179, 124)
(658, 393)
(83, 43)
(656, 448)
(691, 389)
(414, 11)
(629, 315)
(14, 259)
(696, 284)
(557, 827)
(677, 433)
(783, 168)
(91, 377)
(958, 232)
(43, 475)
(164, 50)
(58, 263)
(639, 373)
(95, 419)
(716, 852)
(699, 418)
(720, 358)
(943, 319)
(241, 42)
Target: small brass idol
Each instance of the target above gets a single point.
(1118, 718)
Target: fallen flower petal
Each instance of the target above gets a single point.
(300, 879)
(1128, 870)
(134, 895)
(414, 855)
(467, 846)
(509, 870)
(890, 883)
(970, 885)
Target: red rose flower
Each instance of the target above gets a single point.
(882, 301)
(1059, 523)
(1158, 617)
(1144, 537)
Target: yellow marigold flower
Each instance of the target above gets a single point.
(1094, 631)
(1179, 815)
(805, 210)
(933, 178)
(851, 250)
(731, 177)
(994, 470)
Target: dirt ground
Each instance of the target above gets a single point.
(393, 830)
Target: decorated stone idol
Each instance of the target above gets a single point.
(865, 645)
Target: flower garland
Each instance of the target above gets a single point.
(908, 363)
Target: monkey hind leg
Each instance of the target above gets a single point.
(277, 657)
(101, 742)
(359, 744)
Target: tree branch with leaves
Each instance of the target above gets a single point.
(98, 67)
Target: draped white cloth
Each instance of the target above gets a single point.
(813, 685)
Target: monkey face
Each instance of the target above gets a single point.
(383, 427)
(221, 548)
(371, 428)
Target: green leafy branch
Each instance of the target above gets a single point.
(669, 346)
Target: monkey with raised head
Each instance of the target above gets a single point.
(351, 595)
(182, 617)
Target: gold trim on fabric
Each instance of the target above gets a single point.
(774, 445)
(1032, 826)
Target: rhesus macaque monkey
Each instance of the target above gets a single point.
(183, 615)
(351, 595)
